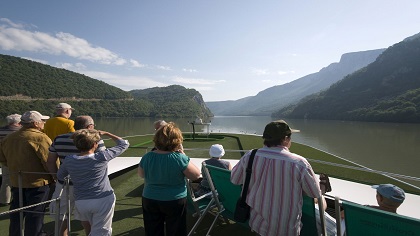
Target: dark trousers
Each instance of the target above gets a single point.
(157, 213)
(33, 221)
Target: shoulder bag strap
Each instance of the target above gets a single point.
(248, 175)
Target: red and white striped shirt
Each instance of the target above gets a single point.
(278, 180)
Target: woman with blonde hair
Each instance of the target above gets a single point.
(165, 191)
(94, 196)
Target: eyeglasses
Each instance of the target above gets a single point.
(93, 125)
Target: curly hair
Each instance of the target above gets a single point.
(85, 139)
(168, 137)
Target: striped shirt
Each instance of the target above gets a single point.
(63, 146)
(90, 173)
(330, 225)
(8, 129)
(278, 180)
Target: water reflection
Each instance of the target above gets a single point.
(381, 146)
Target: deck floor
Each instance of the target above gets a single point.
(351, 191)
(128, 216)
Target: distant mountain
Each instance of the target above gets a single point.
(28, 85)
(222, 108)
(272, 99)
(387, 90)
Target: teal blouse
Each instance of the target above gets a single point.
(164, 177)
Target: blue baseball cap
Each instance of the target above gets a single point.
(391, 192)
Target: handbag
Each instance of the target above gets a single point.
(242, 209)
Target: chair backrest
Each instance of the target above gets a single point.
(363, 220)
(228, 193)
(308, 217)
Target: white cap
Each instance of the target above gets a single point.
(216, 150)
(14, 118)
(63, 106)
(33, 116)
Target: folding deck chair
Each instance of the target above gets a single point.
(363, 220)
(225, 194)
(199, 206)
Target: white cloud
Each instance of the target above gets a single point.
(136, 64)
(125, 82)
(203, 88)
(36, 60)
(260, 71)
(189, 70)
(191, 81)
(11, 23)
(163, 67)
(266, 81)
(82, 49)
(14, 37)
(285, 72)
(77, 67)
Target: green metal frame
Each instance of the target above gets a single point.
(363, 220)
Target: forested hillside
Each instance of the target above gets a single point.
(36, 80)
(28, 85)
(173, 100)
(388, 90)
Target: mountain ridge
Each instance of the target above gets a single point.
(267, 101)
(387, 90)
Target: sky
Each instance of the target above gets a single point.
(225, 49)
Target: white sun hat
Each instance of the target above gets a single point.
(216, 150)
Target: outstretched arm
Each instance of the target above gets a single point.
(112, 136)
(118, 149)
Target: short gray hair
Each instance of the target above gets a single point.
(13, 119)
(82, 122)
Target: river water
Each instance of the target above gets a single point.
(390, 147)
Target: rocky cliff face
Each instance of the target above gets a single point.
(206, 112)
(277, 97)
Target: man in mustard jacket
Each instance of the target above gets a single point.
(25, 153)
(61, 123)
